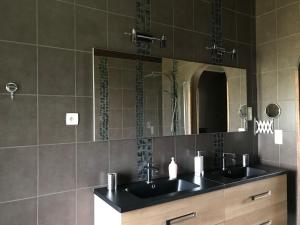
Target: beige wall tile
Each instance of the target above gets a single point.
(266, 28)
(266, 57)
(288, 20)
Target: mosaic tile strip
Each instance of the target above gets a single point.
(143, 16)
(174, 98)
(139, 99)
(103, 73)
(144, 146)
(144, 154)
(217, 34)
(219, 148)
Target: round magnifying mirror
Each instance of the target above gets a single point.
(273, 110)
(243, 111)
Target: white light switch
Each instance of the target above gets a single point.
(278, 137)
(72, 119)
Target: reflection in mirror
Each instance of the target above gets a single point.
(207, 98)
(273, 111)
(141, 96)
(127, 98)
(243, 112)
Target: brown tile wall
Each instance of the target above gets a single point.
(278, 47)
(48, 170)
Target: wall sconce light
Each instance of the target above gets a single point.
(216, 50)
(137, 36)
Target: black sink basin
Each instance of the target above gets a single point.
(160, 187)
(242, 172)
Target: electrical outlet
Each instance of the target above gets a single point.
(72, 119)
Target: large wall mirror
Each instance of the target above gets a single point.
(142, 96)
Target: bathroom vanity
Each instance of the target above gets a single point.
(259, 200)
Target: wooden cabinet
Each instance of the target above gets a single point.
(261, 202)
(205, 209)
(274, 215)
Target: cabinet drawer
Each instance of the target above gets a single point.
(205, 209)
(275, 215)
(255, 196)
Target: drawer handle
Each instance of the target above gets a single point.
(260, 196)
(181, 218)
(269, 222)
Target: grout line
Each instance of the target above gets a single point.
(12, 147)
(175, 147)
(76, 110)
(18, 199)
(193, 14)
(274, 71)
(232, 10)
(111, 12)
(209, 35)
(89, 187)
(42, 45)
(54, 193)
(56, 47)
(18, 42)
(66, 49)
(277, 73)
(277, 8)
(97, 9)
(37, 109)
(173, 28)
(120, 14)
(65, 96)
(37, 145)
(62, 143)
(277, 39)
(89, 7)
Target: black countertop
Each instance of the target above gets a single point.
(123, 201)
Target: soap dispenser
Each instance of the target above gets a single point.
(173, 169)
(198, 165)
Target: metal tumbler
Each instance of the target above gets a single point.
(245, 160)
(112, 181)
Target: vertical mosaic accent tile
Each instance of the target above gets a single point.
(219, 148)
(139, 100)
(144, 154)
(217, 34)
(143, 24)
(174, 98)
(103, 73)
(144, 146)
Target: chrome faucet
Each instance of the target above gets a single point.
(225, 156)
(150, 168)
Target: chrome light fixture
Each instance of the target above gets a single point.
(141, 37)
(216, 50)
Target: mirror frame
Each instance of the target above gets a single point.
(111, 53)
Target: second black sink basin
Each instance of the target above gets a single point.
(160, 187)
(242, 172)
